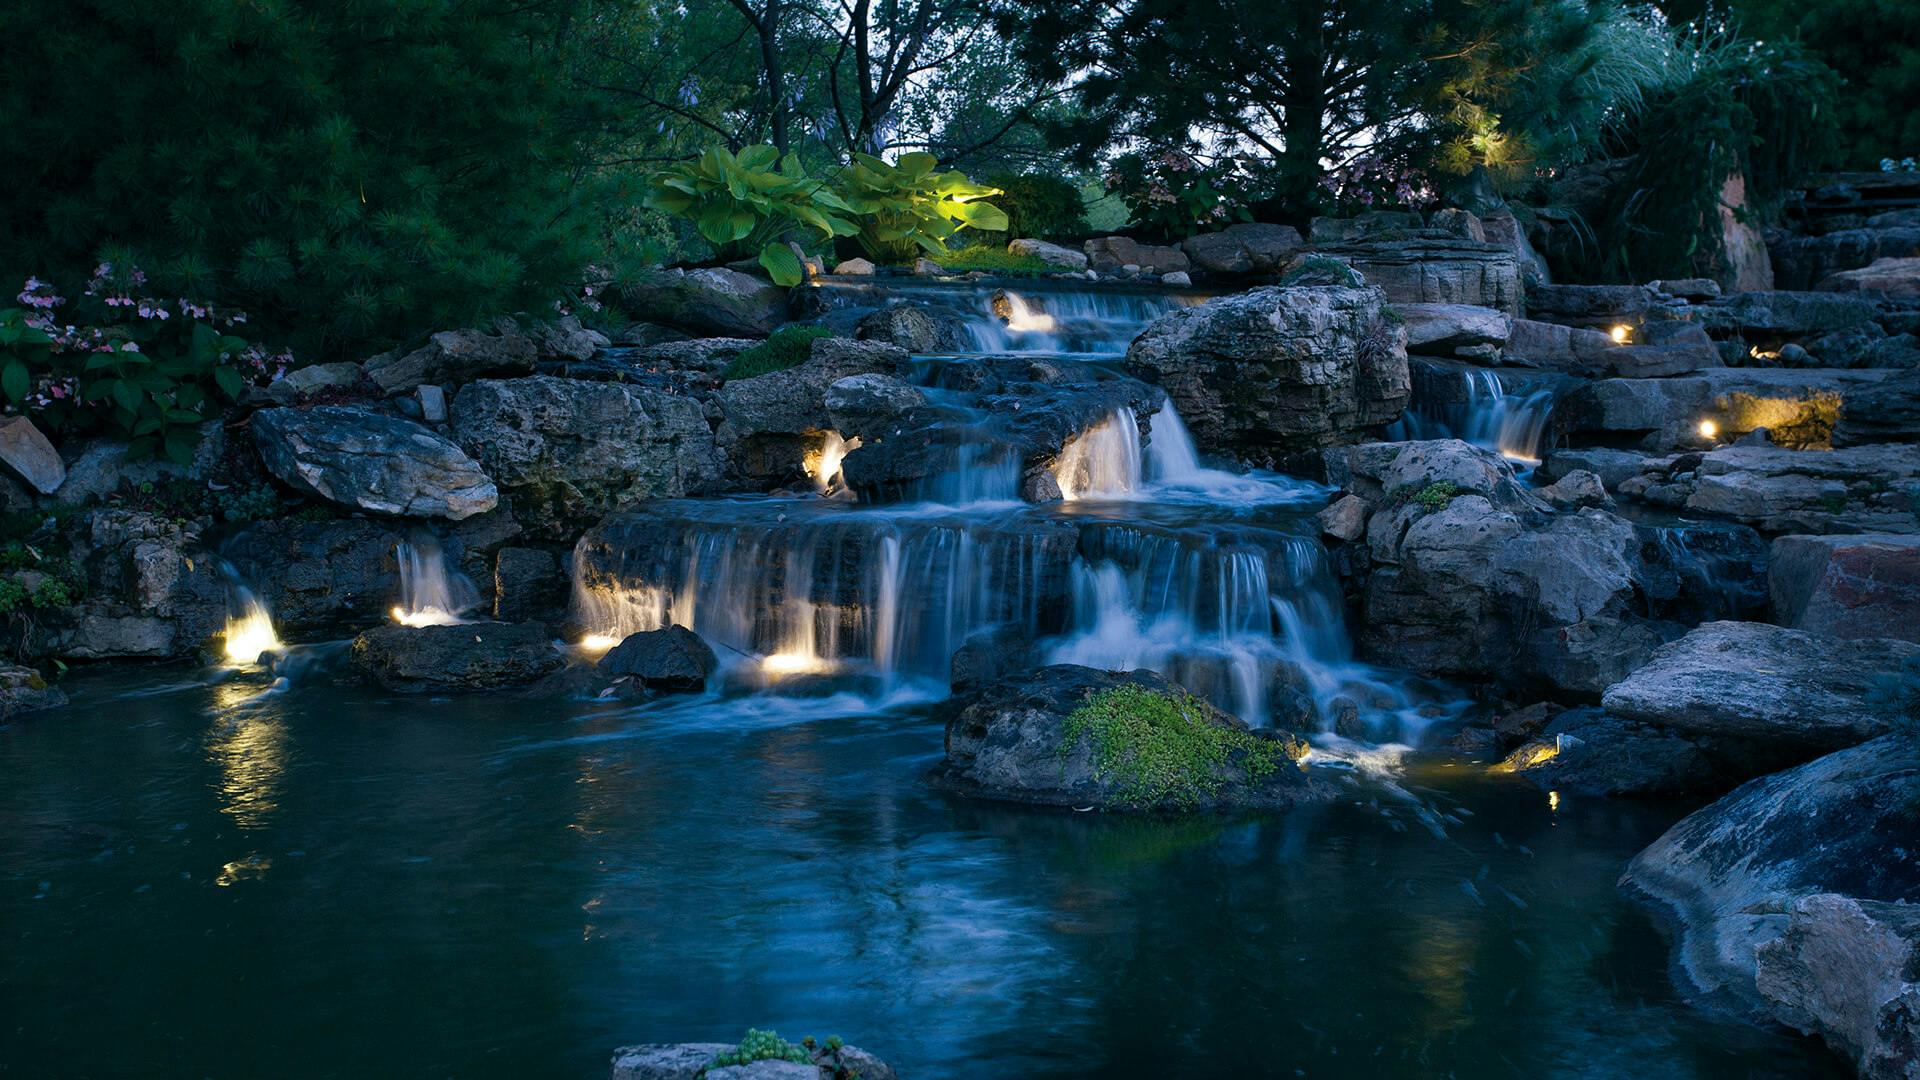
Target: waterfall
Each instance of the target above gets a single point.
(249, 626)
(822, 464)
(1103, 460)
(1487, 415)
(430, 594)
(1172, 457)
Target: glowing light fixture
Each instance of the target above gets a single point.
(431, 616)
(1709, 429)
(599, 642)
(791, 663)
(250, 633)
(1621, 333)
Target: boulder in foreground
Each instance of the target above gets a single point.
(1849, 971)
(673, 659)
(461, 656)
(695, 1061)
(370, 461)
(1074, 736)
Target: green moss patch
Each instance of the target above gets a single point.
(1165, 748)
(789, 347)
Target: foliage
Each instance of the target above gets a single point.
(1435, 496)
(1164, 749)
(1874, 46)
(144, 369)
(38, 577)
(1037, 206)
(993, 260)
(1322, 270)
(181, 500)
(788, 347)
(745, 205)
(761, 1045)
(1172, 194)
(347, 170)
(908, 206)
(1370, 183)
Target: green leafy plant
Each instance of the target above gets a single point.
(907, 207)
(1165, 748)
(788, 347)
(746, 204)
(1435, 496)
(993, 260)
(759, 1045)
(1173, 195)
(1038, 206)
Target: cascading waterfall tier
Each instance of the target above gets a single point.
(430, 593)
(1475, 404)
(1029, 317)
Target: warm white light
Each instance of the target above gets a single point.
(1709, 429)
(1026, 319)
(1622, 333)
(791, 663)
(599, 642)
(823, 464)
(250, 634)
(425, 617)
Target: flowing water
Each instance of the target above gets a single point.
(1478, 407)
(267, 871)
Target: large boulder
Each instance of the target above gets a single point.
(715, 300)
(28, 455)
(1450, 329)
(24, 690)
(1243, 249)
(453, 357)
(1278, 370)
(323, 577)
(1860, 489)
(1597, 307)
(567, 451)
(1770, 685)
(1727, 878)
(771, 422)
(1437, 269)
(1010, 742)
(364, 460)
(868, 406)
(1799, 408)
(1663, 349)
(1802, 262)
(1852, 586)
(455, 657)
(1886, 412)
(1587, 752)
(673, 659)
(695, 1061)
(151, 590)
(915, 327)
(1848, 970)
(1887, 277)
(1055, 256)
(1111, 254)
(1784, 314)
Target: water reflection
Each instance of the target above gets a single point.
(250, 748)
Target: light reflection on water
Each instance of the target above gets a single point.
(329, 881)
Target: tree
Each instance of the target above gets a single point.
(350, 171)
(1875, 46)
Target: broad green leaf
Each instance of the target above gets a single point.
(14, 379)
(782, 264)
(229, 381)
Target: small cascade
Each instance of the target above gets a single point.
(1104, 461)
(823, 464)
(430, 594)
(249, 628)
(1481, 410)
(1038, 317)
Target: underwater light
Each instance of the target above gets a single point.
(1709, 429)
(791, 663)
(250, 634)
(1621, 333)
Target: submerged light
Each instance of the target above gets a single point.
(250, 633)
(1621, 333)
(599, 642)
(1709, 429)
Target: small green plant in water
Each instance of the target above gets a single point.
(1435, 496)
(761, 1046)
(788, 347)
(1164, 748)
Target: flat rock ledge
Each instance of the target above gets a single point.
(1007, 742)
(691, 1061)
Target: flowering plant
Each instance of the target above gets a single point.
(1372, 183)
(146, 369)
(1173, 194)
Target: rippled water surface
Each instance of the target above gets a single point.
(329, 882)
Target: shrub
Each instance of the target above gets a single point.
(1043, 207)
(1173, 195)
(144, 369)
(746, 204)
(1160, 749)
(788, 347)
(761, 1046)
(993, 260)
(907, 208)
(1435, 496)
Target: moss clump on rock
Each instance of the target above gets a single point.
(1435, 496)
(1166, 748)
(759, 1045)
(789, 347)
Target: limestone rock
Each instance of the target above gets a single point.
(1111, 254)
(454, 357)
(715, 300)
(866, 406)
(855, 268)
(1586, 752)
(528, 585)
(692, 1061)
(1442, 329)
(673, 659)
(1275, 370)
(914, 327)
(1242, 249)
(320, 578)
(24, 690)
(1849, 971)
(1055, 256)
(1769, 684)
(456, 657)
(28, 455)
(567, 451)
(364, 460)
(304, 382)
(1851, 586)
(1448, 270)
(1887, 277)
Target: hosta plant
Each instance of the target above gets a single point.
(906, 207)
(746, 204)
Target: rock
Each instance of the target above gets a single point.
(566, 338)
(1728, 877)
(1385, 473)
(1345, 518)
(1437, 271)
(24, 690)
(1276, 370)
(567, 451)
(433, 403)
(1587, 752)
(456, 657)
(364, 460)
(1503, 230)
(319, 578)
(770, 421)
(1802, 262)
(1743, 262)
(1442, 329)
(673, 660)
(1770, 684)
(528, 585)
(1591, 306)
(1613, 467)
(925, 267)
(867, 406)
(991, 656)
(103, 465)
(694, 356)
(1861, 489)
(1055, 256)
(28, 455)
(1111, 254)
(715, 300)
(453, 357)
(1575, 490)
(1848, 970)
(1178, 279)
(914, 327)
(1799, 408)
(1371, 224)
(1458, 222)
(692, 1061)
(1886, 412)
(1242, 249)
(301, 383)
(855, 268)
(1008, 742)
(1687, 288)
(1775, 314)
(1848, 586)
(151, 592)
(1312, 269)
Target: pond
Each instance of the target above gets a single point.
(197, 878)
